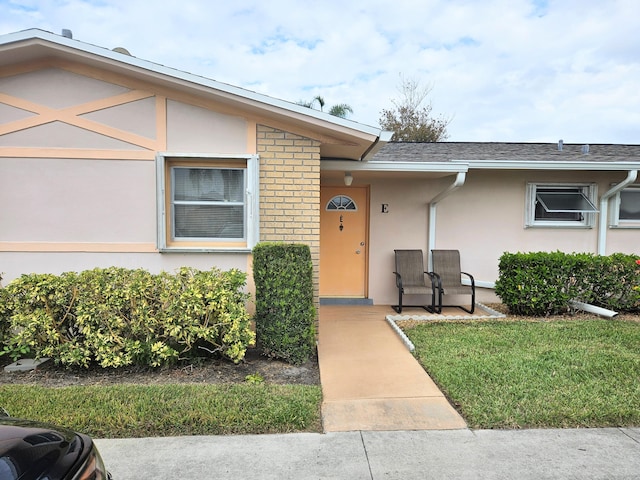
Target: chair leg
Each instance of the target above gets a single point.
(436, 305)
(473, 303)
(432, 308)
(438, 308)
(398, 308)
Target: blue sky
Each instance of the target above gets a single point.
(501, 70)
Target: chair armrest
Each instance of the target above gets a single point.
(473, 283)
(398, 280)
(436, 282)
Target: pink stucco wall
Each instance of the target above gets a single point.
(14, 264)
(195, 129)
(483, 219)
(54, 211)
(71, 200)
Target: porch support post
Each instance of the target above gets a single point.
(459, 181)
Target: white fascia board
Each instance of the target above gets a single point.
(241, 93)
(546, 165)
(437, 167)
(386, 136)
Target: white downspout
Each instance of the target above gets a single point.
(459, 181)
(603, 312)
(604, 210)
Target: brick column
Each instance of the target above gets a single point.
(290, 191)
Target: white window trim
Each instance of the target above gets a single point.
(590, 190)
(252, 201)
(614, 211)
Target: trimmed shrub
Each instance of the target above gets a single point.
(39, 309)
(535, 283)
(4, 317)
(612, 282)
(285, 314)
(543, 283)
(116, 317)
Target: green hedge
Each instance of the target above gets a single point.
(285, 315)
(4, 318)
(543, 283)
(115, 317)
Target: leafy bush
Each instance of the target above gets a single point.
(39, 312)
(4, 316)
(116, 317)
(535, 283)
(543, 283)
(612, 282)
(285, 314)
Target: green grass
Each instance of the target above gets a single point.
(535, 374)
(169, 410)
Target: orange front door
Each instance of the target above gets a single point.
(343, 241)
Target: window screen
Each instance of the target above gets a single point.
(208, 203)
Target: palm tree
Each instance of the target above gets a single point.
(340, 110)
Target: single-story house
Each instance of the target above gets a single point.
(107, 159)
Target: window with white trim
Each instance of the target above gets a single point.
(207, 203)
(626, 208)
(560, 205)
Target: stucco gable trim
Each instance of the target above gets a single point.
(95, 54)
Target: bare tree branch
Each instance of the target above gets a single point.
(409, 121)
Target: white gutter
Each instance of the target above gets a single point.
(604, 209)
(459, 181)
(547, 165)
(409, 167)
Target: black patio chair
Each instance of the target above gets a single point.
(412, 279)
(448, 278)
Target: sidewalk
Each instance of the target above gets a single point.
(452, 454)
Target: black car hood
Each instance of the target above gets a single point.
(31, 450)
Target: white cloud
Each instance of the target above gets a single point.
(505, 70)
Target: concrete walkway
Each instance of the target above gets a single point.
(585, 454)
(370, 380)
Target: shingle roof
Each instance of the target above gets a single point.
(511, 152)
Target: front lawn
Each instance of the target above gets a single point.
(535, 374)
(119, 411)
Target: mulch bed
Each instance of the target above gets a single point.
(210, 370)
